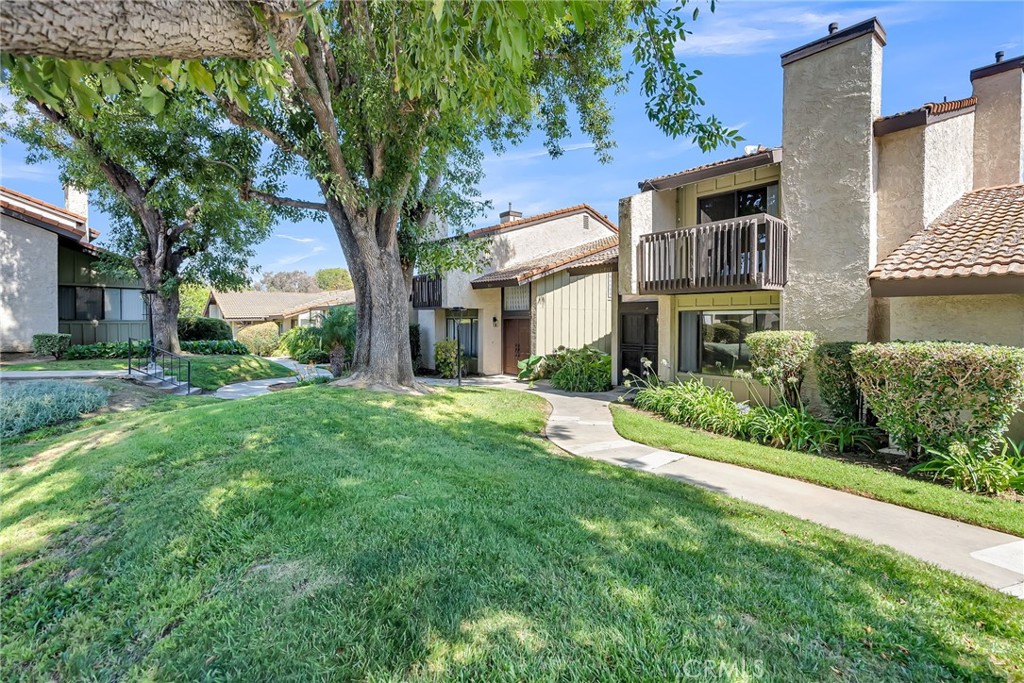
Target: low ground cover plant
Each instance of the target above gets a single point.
(261, 338)
(977, 471)
(196, 328)
(695, 404)
(50, 344)
(25, 406)
(582, 370)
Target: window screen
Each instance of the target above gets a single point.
(111, 304)
(133, 305)
(467, 329)
(88, 303)
(517, 298)
(66, 303)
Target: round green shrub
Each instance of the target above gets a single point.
(261, 338)
(50, 344)
(197, 328)
(779, 361)
(446, 358)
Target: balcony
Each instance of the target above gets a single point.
(426, 291)
(740, 254)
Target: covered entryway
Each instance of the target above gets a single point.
(515, 340)
(638, 336)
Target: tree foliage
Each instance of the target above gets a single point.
(289, 281)
(333, 278)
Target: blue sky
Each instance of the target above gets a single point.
(932, 46)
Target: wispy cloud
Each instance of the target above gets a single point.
(746, 28)
(293, 238)
(22, 171)
(536, 153)
(296, 258)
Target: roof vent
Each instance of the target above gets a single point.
(832, 28)
(999, 56)
(751, 149)
(510, 215)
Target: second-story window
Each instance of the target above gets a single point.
(745, 202)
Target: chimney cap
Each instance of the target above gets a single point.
(999, 56)
(509, 215)
(870, 26)
(999, 66)
(833, 27)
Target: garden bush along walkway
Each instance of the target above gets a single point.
(581, 424)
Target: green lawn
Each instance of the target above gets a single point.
(208, 372)
(995, 513)
(323, 533)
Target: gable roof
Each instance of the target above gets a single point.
(599, 255)
(256, 305)
(762, 157)
(520, 223)
(975, 246)
(43, 215)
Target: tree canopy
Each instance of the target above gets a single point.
(333, 278)
(289, 281)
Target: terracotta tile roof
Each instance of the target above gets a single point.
(980, 235)
(589, 254)
(540, 218)
(923, 115)
(952, 105)
(44, 212)
(274, 305)
(762, 157)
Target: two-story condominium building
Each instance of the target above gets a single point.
(858, 227)
(546, 281)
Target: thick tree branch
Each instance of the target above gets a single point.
(100, 30)
(240, 118)
(246, 193)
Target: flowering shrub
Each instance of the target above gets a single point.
(931, 394)
(50, 344)
(25, 406)
(837, 383)
(779, 361)
(261, 338)
(695, 404)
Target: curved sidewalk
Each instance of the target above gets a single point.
(258, 387)
(581, 424)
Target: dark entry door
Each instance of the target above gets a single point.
(638, 337)
(515, 343)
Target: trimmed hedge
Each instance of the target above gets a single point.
(779, 361)
(927, 395)
(446, 358)
(197, 328)
(25, 406)
(226, 347)
(50, 344)
(261, 338)
(837, 382)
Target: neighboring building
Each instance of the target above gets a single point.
(550, 281)
(859, 227)
(287, 309)
(48, 279)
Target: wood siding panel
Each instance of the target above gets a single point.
(573, 312)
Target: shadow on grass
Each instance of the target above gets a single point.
(323, 533)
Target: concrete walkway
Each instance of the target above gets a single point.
(581, 424)
(258, 387)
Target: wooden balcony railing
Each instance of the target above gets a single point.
(426, 291)
(740, 254)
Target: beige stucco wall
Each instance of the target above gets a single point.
(573, 312)
(641, 214)
(989, 319)
(431, 322)
(830, 101)
(999, 129)
(948, 171)
(900, 187)
(28, 283)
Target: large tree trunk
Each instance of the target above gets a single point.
(381, 358)
(165, 321)
(99, 30)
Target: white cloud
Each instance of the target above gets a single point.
(296, 258)
(746, 28)
(293, 238)
(536, 153)
(22, 171)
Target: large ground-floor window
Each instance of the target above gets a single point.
(467, 325)
(100, 303)
(714, 342)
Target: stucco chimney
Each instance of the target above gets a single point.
(832, 91)
(999, 123)
(510, 215)
(76, 200)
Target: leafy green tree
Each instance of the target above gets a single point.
(386, 103)
(193, 297)
(333, 278)
(289, 281)
(158, 172)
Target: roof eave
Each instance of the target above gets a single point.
(947, 286)
(756, 160)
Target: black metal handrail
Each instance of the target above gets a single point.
(157, 363)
